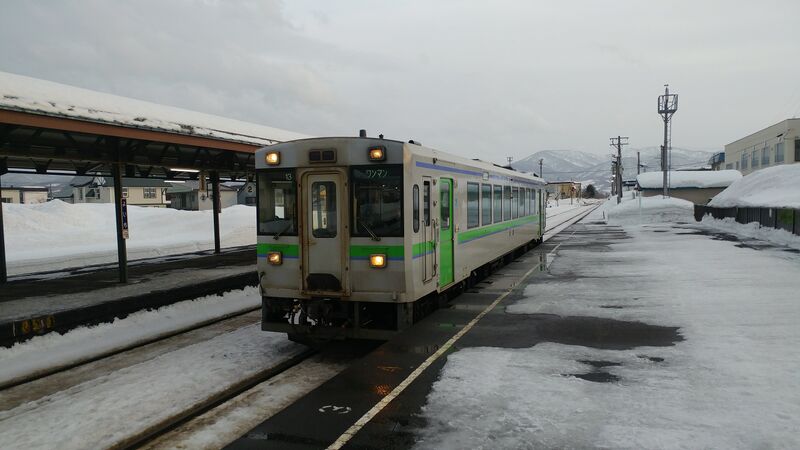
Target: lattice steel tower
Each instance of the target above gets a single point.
(667, 105)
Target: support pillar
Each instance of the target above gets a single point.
(216, 204)
(122, 251)
(3, 268)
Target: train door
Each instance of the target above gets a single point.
(428, 238)
(324, 232)
(446, 226)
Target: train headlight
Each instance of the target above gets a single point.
(377, 153)
(377, 261)
(275, 258)
(273, 158)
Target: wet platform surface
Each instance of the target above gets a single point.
(60, 300)
(318, 419)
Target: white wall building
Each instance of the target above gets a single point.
(23, 194)
(774, 145)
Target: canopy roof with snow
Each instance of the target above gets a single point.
(689, 179)
(772, 187)
(32, 95)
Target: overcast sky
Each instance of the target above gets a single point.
(477, 78)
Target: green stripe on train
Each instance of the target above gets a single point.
(490, 229)
(422, 248)
(363, 251)
(286, 249)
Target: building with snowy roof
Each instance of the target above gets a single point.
(696, 186)
(775, 145)
(189, 196)
(137, 191)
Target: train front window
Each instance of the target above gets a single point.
(377, 201)
(277, 203)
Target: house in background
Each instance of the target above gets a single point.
(696, 186)
(138, 191)
(24, 194)
(188, 196)
(563, 189)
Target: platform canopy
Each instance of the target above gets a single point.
(48, 127)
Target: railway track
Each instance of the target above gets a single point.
(56, 369)
(161, 429)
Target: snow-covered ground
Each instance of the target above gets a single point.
(43, 353)
(117, 404)
(56, 235)
(731, 383)
(649, 210)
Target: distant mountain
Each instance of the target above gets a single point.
(592, 168)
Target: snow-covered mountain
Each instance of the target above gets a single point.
(593, 168)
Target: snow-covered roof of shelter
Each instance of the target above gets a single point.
(772, 187)
(689, 179)
(32, 95)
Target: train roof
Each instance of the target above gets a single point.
(429, 151)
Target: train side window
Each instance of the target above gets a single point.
(523, 197)
(514, 203)
(473, 205)
(534, 197)
(426, 203)
(415, 212)
(444, 208)
(498, 204)
(486, 204)
(506, 202)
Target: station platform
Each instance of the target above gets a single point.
(61, 300)
(361, 407)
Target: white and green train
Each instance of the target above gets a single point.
(360, 237)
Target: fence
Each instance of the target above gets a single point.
(781, 218)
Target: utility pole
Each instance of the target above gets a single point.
(617, 143)
(667, 106)
(541, 174)
(638, 163)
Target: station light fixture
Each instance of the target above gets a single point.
(377, 261)
(377, 153)
(273, 158)
(275, 258)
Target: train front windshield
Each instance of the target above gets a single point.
(377, 201)
(277, 202)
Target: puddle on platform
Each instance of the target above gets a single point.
(527, 330)
(597, 364)
(606, 333)
(595, 377)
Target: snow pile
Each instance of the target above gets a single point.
(650, 210)
(772, 187)
(752, 230)
(37, 96)
(52, 350)
(732, 383)
(689, 179)
(56, 235)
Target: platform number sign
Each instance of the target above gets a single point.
(124, 212)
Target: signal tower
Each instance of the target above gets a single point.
(667, 105)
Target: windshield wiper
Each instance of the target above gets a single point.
(371, 233)
(278, 234)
